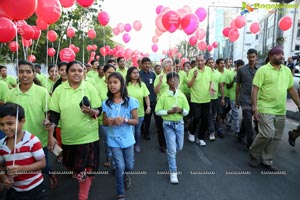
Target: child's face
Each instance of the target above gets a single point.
(173, 83)
(114, 85)
(8, 125)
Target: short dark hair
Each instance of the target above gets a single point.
(177, 61)
(111, 60)
(62, 64)
(93, 61)
(172, 75)
(37, 66)
(11, 109)
(239, 62)
(193, 62)
(119, 58)
(219, 60)
(69, 65)
(145, 59)
(2, 66)
(251, 51)
(107, 66)
(51, 66)
(25, 62)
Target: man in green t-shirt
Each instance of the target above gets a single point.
(10, 80)
(269, 90)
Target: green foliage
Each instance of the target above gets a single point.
(186, 49)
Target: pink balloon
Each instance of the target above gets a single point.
(164, 52)
(116, 31)
(103, 18)
(201, 13)
(103, 51)
(52, 36)
(215, 44)
(13, 46)
(232, 24)
(158, 23)
(31, 58)
(158, 32)
(94, 47)
(200, 33)
(127, 27)
(28, 32)
(37, 32)
(97, 57)
(255, 27)
(70, 32)
(85, 3)
(18, 10)
(76, 50)
(127, 53)
(285, 23)
(226, 31)
(8, 30)
(240, 21)
(41, 24)
(51, 52)
(154, 48)
(193, 40)
(91, 34)
(67, 3)
(171, 21)
(182, 12)
(20, 26)
(189, 23)
(126, 37)
(209, 47)
(164, 10)
(120, 27)
(89, 48)
(202, 45)
(26, 43)
(67, 54)
(137, 25)
(179, 55)
(187, 8)
(155, 39)
(158, 9)
(233, 35)
(49, 10)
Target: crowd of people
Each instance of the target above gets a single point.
(79, 107)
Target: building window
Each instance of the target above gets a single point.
(298, 33)
(297, 47)
(270, 32)
(247, 44)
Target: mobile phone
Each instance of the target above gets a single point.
(57, 150)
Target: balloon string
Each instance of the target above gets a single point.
(37, 42)
(47, 76)
(104, 59)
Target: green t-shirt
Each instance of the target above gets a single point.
(42, 78)
(273, 85)
(123, 72)
(200, 89)
(164, 86)
(223, 80)
(216, 79)
(10, 81)
(3, 91)
(76, 127)
(92, 74)
(139, 93)
(90, 80)
(167, 101)
(183, 82)
(35, 103)
(232, 91)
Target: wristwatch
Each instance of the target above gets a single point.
(126, 120)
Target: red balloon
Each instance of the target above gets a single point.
(89, 48)
(8, 30)
(37, 32)
(189, 23)
(158, 23)
(215, 44)
(67, 54)
(126, 37)
(31, 58)
(240, 21)
(154, 48)
(20, 9)
(3, 13)
(103, 18)
(49, 10)
(285, 23)
(255, 27)
(26, 43)
(103, 51)
(52, 36)
(13, 46)
(97, 57)
(202, 45)
(41, 24)
(200, 33)
(233, 35)
(76, 50)
(51, 52)
(91, 34)
(28, 32)
(67, 3)
(171, 21)
(193, 41)
(137, 25)
(209, 47)
(20, 26)
(232, 24)
(85, 3)
(94, 47)
(226, 31)
(70, 32)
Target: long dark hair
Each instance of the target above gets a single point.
(59, 81)
(124, 93)
(128, 78)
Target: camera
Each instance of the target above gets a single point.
(85, 101)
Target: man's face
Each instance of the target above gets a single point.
(277, 59)
(211, 63)
(221, 65)
(146, 66)
(95, 65)
(200, 61)
(121, 63)
(3, 72)
(252, 58)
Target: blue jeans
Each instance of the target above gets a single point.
(174, 135)
(47, 169)
(103, 133)
(137, 131)
(124, 161)
(235, 117)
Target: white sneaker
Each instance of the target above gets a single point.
(173, 178)
(191, 137)
(212, 137)
(202, 143)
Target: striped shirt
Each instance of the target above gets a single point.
(28, 151)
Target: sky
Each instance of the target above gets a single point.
(127, 11)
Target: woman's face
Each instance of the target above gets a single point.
(63, 73)
(108, 72)
(114, 85)
(25, 74)
(134, 74)
(53, 72)
(75, 73)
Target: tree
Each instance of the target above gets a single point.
(186, 49)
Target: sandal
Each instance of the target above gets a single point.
(53, 181)
(106, 164)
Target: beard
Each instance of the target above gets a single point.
(277, 62)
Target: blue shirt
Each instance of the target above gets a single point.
(148, 78)
(120, 136)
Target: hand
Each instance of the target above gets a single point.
(212, 91)
(110, 121)
(161, 78)
(119, 121)
(172, 110)
(85, 109)
(6, 181)
(51, 142)
(148, 110)
(237, 104)
(14, 170)
(256, 115)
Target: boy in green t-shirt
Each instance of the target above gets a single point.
(172, 106)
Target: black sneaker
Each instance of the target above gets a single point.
(127, 181)
(291, 139)
(252, 161)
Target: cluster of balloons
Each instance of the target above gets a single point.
(232, 31)
(121, 27)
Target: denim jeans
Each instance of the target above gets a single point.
(107, 149)
(213, 116)
(124, 161)
(47, 169)
(174, 135)
(137, 131)
(235, 117)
